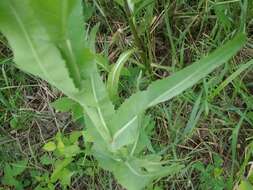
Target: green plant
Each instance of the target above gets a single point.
(245, 182)
(65, 150)
(12, 171)
(46, 37)
(132, 8)
(211, 176)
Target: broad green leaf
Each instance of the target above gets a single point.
(134, 174)
(144, 139)
(71, 151)
(19, 167)
(165, 89)
(60, 145)
(97, 104)
(94, 98)
(140, 5)
(66, 177)
(63, 104)
(60, 165)
(28, 36)
(245, 185)
(129, 133)
(47, 160)
(50, 146)
(74, 136)
(114, 75)
(66, 104)
(33, 51)
(9, 180)
(63, 22)
(13, 170)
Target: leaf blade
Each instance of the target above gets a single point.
(42, 57)
(114, 75)
(167, 88)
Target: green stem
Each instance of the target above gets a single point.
(137, 39)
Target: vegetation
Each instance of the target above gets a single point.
(85, 88)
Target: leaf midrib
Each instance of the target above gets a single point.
(98, 108)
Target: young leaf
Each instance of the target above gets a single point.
(66, 104)
(66, 177)
(19, 167)
(113, 78)
(165, 89)
(9, 178)
(63, 104)
(50, 146)
(60, 165)
(10, 172)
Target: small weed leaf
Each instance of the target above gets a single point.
(50, 146)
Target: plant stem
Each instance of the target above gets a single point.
(137, 39)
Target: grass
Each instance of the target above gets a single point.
(208, 128)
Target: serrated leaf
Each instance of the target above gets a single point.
(63, 104)
(46, 160)
(66, 177)
(59, 167)
(131, 174)
(27, 37)
(13, 170)
(71, 151)
(66, 104)
(11, 181)
(169, 87)
(19, 167)
(63, 21)
(74, 136)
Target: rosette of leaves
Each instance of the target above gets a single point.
(47, 39)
